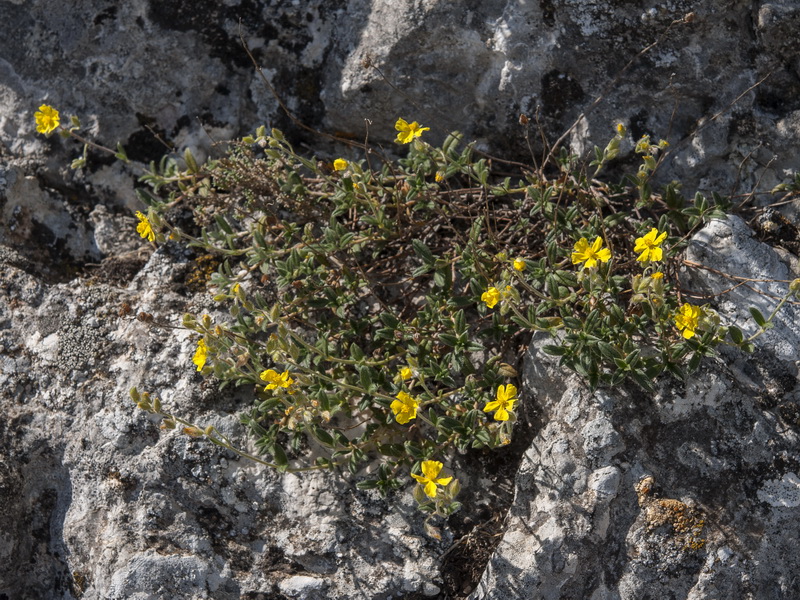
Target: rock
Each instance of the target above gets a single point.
(740, 272)
(688, 493)
(719, 80)
(301, 586)
(96, 503)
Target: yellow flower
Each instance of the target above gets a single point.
(687, 319)
(339, 164)
(439, 176)
(430, 472)
(491, 297)
(657, 275)
(589, 255)
(519, 264)
(504, 402)
(621, 129)
(144, 228)
(406, 373)
(643, 145)
(47, 119)
(407, 132)
(275, 380)
(200, 355)
(649, 246)
(404, 408)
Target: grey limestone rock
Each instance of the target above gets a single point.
(718, 79)
(743, 272)
(96, 503)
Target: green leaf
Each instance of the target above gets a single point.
(450, 424)
(414, 451)
(736, 334)
(460, 321)
(482, 435)
(568, 278)
(423, 252)
(121, 154)
(448, 340)
(191, 163)
(366, 378)
(643, 380)
(356, 353)
(322, 436)
(618, 377)
(367, 484)
(616, 313)
(552, 286)
(394, 450)
(268, 405)
(758, 317)
(633, 358)
(555, 350)
(279, 454)
(223, 224)
(389, 320)
(608, 351)
(594, 379)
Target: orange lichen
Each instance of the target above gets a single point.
(686, 522)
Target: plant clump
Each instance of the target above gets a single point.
(377, 307)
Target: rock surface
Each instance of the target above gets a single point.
(719, 80)
(689, 493)
(96, 503)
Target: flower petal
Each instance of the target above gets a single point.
(493, 405)
(501, 415)
(431, 468)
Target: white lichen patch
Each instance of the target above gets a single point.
(781, 493)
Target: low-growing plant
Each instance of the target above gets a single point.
(378, 307)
